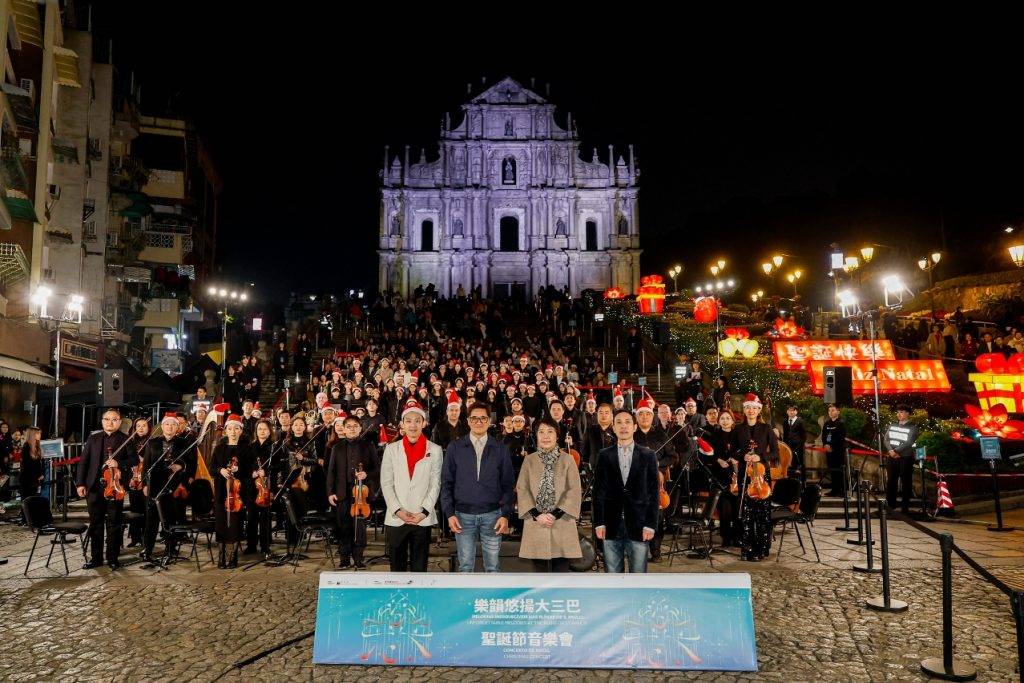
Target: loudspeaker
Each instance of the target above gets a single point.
(839, 385)
(109, 387)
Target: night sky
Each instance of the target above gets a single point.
(746, 148)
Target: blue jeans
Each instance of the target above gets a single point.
(618, 549)
(480, 527)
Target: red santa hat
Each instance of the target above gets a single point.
(617, 391)
(591, 398)
(646, 403)
(413, 406)
(236, 419)
(342, 416)
(256, 411)
(221, 408)
(689, 401)
(524, 358)
(453, 397)
(382, 435)
(170, 414)
(751, 400)
(704, 447)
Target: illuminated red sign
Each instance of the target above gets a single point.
(794, 354)
(894, 376)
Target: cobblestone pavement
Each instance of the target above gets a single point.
(181, 624)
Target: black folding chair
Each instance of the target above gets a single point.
(810, 499)
(175, 534)
(700, 524)
(36, 510)
(306, 527)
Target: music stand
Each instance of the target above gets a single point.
(274, 560)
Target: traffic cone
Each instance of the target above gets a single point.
(943, 501)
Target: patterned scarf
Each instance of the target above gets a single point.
(545, 499)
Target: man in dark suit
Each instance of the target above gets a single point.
(625, 499)
(98, 454)
(599, 435)
(794, 435)
(986, 345)
(477, 491)
(352, 459)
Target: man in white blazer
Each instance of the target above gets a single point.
(410, 479)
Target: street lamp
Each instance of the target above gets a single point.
(225, 296)
(721, 264)
(777, 260)
(74, 305)
(673, 273)
(894, 288)
(793, 278)
(767, 268)
(927, 264)
(1017, 254)
(867, 253)
(714, 271)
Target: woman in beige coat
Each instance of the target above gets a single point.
(548, 497)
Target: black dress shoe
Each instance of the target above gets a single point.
(145, 556)
(92, 565)
(133, 544)
(358, 564)
(114, 566)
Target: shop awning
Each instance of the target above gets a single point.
(20, 371)
(65, 65)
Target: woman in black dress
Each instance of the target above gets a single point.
(722, 462)
(30, 476)
(263, 461)
(136, 499)
(753, 433)
(229, 463)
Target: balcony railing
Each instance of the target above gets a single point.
(13, 264)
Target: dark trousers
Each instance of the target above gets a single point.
(555, 564)
(798, 458)
(257, 527)
(409, 547)
(899, 475)
(104, 516)
(279, 375)
(177, 510)
(836, 462)
(729, 518)
(351, 533)
(137, 527)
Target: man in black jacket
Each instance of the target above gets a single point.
(100, 452)
(900, 452)
(599, 436)
(352, 459)
(650, 434)
(794, 435)
(625, 498)
(833, 438)
(162, 466)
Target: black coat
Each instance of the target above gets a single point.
(346, 457)
(833, 433)
(594, 441)
(98, 447)
(794, 435)
(658, 441)
(636, 498)
(764, 438)
(156, 454)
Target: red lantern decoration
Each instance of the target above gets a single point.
(787, 329)
(614, 293)
(705, 309)
(994, 421)
(651, 295)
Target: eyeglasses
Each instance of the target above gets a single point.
(478, 419)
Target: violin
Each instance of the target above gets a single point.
(112, 490)
(136, 483)
(664, 500)
(757, 488)
(264, 496)
(360, 508)
(233, 501)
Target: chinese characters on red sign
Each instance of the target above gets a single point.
(795, 354)
(894, 376)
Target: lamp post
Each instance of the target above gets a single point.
(74, 305)
(673, 273)
(793, 278)
(1017, 255)
(225, 296)
(927, 264)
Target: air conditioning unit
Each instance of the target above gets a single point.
(49, 275)
(25, 146)
(28, 86)
(54, 191)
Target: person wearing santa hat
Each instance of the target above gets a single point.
(618, 400)
(721, 453)
(167, 464)
(754, 433)
(695, 420)
(453, 425)
(410, 480)
(230, 464)
(599, 435)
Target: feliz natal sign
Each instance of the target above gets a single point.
(795, 354)
(894, 376)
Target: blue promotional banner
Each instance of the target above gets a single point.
(593, 621)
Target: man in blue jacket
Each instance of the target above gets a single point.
(477, 489)
(625, 498)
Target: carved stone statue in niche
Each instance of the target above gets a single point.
(396, 226)
(509, 130)
(457, 228)
(623, 225)
(508, 171)
(560, 229)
